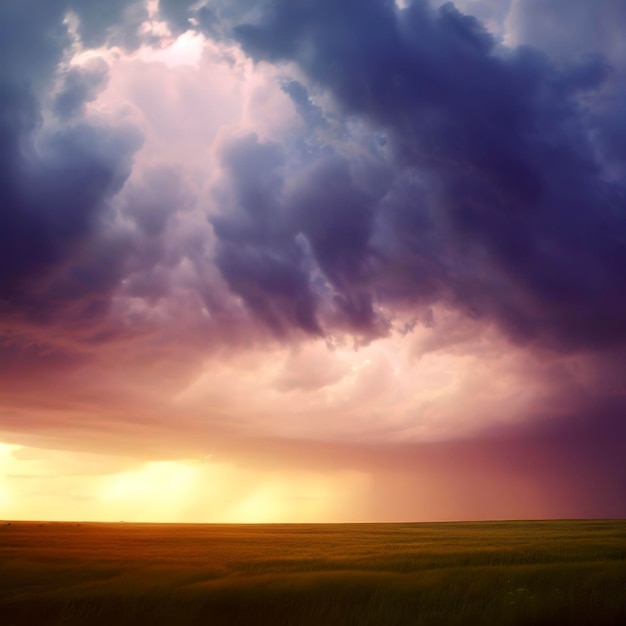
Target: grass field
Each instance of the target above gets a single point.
(542, 573)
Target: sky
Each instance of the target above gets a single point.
(312, 260)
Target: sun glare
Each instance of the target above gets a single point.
(158, 491)
(184, 491)
(6, 462)
(6, 449)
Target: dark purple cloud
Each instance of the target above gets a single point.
(449, 169)
(531, 231)
(53, 197)
(433, 166)
(489, 183)
(59, 260)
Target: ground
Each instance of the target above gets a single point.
(496, 573)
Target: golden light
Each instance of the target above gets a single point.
(6, 462)
(159, 491)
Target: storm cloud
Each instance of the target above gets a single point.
(391, 227)
(502, 141)
(56, 180)
(485, 180)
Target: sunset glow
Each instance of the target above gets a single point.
(312, 262)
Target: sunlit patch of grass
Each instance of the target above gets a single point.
(539, 573)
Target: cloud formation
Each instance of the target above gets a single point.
(530, 226)
(362, 229)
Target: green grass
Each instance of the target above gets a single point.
(497, 573)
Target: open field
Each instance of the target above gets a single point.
(541, 573)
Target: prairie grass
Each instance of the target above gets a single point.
(496, 573)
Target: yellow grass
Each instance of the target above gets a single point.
(511, 573)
